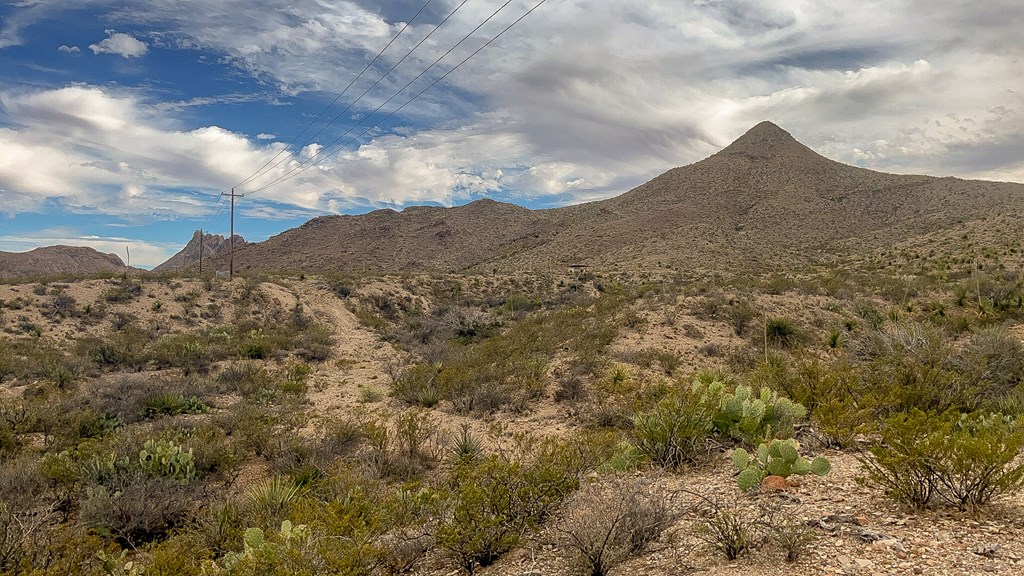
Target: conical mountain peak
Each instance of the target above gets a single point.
(766, 139)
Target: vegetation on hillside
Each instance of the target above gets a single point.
(166, 426)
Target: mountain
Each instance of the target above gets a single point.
(766, 202)
(211, 245)
(58, 261)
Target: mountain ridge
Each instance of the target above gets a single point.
(766, 201)
(59, 260)
(211, 244)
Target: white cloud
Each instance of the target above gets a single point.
(98, 150)
(120, 44)
(68, 49)
(547, 112)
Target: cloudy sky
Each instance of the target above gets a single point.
(121, 123)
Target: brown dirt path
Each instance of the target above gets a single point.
(361, 357)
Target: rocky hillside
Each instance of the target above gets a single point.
(765, 202)
(58, 261)
(210, 244)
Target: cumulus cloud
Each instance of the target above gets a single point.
(120, 44)
(99, 150)
(547, 113)
(669, 83)
(265, 136)
(68, 49)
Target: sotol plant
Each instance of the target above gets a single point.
(779, 458)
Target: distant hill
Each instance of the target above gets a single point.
(58, 261)
(765, 202)
(212, 244)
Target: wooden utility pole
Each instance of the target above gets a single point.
(231, 239)
(200, 251)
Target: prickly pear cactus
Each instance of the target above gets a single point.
(777, 458)
(167, 459)
(755, 419)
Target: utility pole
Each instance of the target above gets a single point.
(200, 251)
(231, 258)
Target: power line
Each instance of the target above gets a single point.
(296, 170)
(374, 85)
(218, 210)
(336, 98)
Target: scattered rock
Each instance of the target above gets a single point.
(986, 550)
(856, 520)
(872, 536)
(775, 484)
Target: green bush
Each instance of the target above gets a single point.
(495, 501)
(189, 352)
(675, 432)
(964, 460)
(418, 385)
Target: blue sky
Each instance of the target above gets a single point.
(122, 122)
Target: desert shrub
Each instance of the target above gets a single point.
(418, 385)
(675, 432)
(495, 500)
(10, 444)
(314, 343)
(966, 460)
(63, 306)
(260, 384)
(342, 286)
(790, 533)
(510, 369)
(255, 345)
(404, 448)
(190, 352)
(741, 314)
(727, 528)
(252, 426)
(994, 360)
(605, 524)
(901, 383)
(123, 290)
(122, 349)
(214, 452)
(38, 358)
(182, 554)
(135, 508)
(669, 360)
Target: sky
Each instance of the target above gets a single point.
(122, 123)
